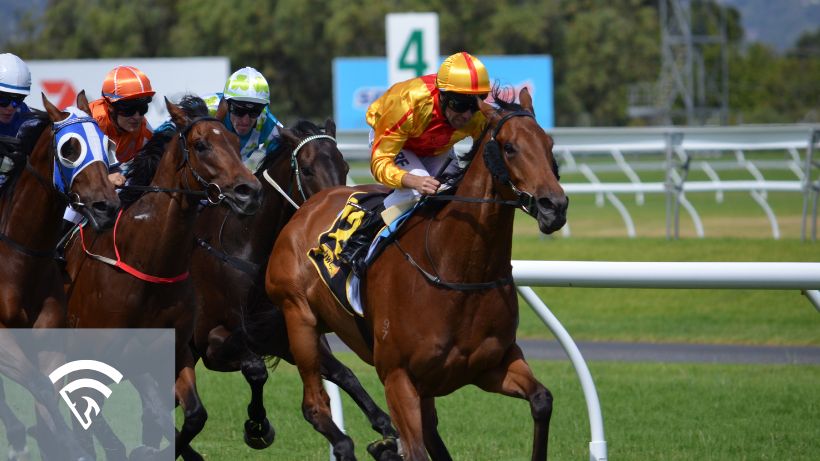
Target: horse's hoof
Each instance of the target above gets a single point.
(21, 455)
(386, 449)
(259, 435)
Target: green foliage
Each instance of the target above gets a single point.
(599, 48)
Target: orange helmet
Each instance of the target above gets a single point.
(463, 73)
(126, 82)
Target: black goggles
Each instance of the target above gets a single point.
(462, 102)
(250, 109)
(14, 100)
(129, 108)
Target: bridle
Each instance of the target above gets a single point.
(294, 167)
(210, 191)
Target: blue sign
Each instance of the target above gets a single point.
(357, 82)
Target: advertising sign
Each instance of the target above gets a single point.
(357, 82)
(61, 80)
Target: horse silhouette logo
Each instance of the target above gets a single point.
(85, 383)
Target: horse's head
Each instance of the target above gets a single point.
(81, 154)
(519, 155)
(315, 160)
(211, 153)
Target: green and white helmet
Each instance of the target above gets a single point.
(247, 84)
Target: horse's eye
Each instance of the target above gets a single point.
(308, 171)
(509, 149)
(70, 151)
(200, 145)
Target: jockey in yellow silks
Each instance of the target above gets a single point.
(416, 123)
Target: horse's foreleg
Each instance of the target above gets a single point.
(515, 379)
(405, 408)
(193, 410)
(432, 439)
(304, 343)
(259, 433)
(336, 372)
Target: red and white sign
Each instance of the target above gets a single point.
(62, 80)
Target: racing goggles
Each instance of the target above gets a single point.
(14, 100)
(241, 109)
(462, 102)
(132, 106)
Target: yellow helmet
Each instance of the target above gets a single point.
(463, 73)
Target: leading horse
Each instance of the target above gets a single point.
(236, 324)
(440, 312)
(137, 275)
(62, 160)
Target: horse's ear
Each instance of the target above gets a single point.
(54, 113)
(525, 99)
(289, 136)
(487, 109)
(330, 127)
(178, 115)
(222, 109)
(82, 103)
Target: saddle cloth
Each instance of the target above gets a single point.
(337, 272)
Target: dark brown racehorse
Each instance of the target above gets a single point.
(149, 287)
(31, 209)
(236, 324)
(440, 303)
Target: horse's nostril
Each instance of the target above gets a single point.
(243, 190)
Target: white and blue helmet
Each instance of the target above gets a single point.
(14, 75)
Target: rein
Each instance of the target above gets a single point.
(124, 266)
(492, 157)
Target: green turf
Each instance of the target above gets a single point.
(651, 411)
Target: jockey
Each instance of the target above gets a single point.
(120, 112)
(15, 85)
(248, 97)
(416, 123)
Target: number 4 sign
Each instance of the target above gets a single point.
(412, 45)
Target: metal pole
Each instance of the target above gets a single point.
(597, 445)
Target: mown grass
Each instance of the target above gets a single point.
(651, 411)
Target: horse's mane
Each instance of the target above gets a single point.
(144, 165)
(31, 130)
(302, 129)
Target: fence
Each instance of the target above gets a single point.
(608, 274)
(676, 151)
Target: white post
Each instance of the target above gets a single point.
(335, 408)
(597, 446)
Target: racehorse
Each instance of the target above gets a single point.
(440, 312)
(62, 160)
(137, 275)
(235, 323)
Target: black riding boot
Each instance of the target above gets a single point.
(65, 229)
(355, 249)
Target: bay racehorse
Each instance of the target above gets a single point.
(137, 275)
(61, 159)
(440, 304)
(236, 324)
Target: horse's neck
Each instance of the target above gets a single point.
(165, 221)
(31, 210)
(484, 230)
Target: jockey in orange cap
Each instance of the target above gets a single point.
(417, 122)
(120, 112)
